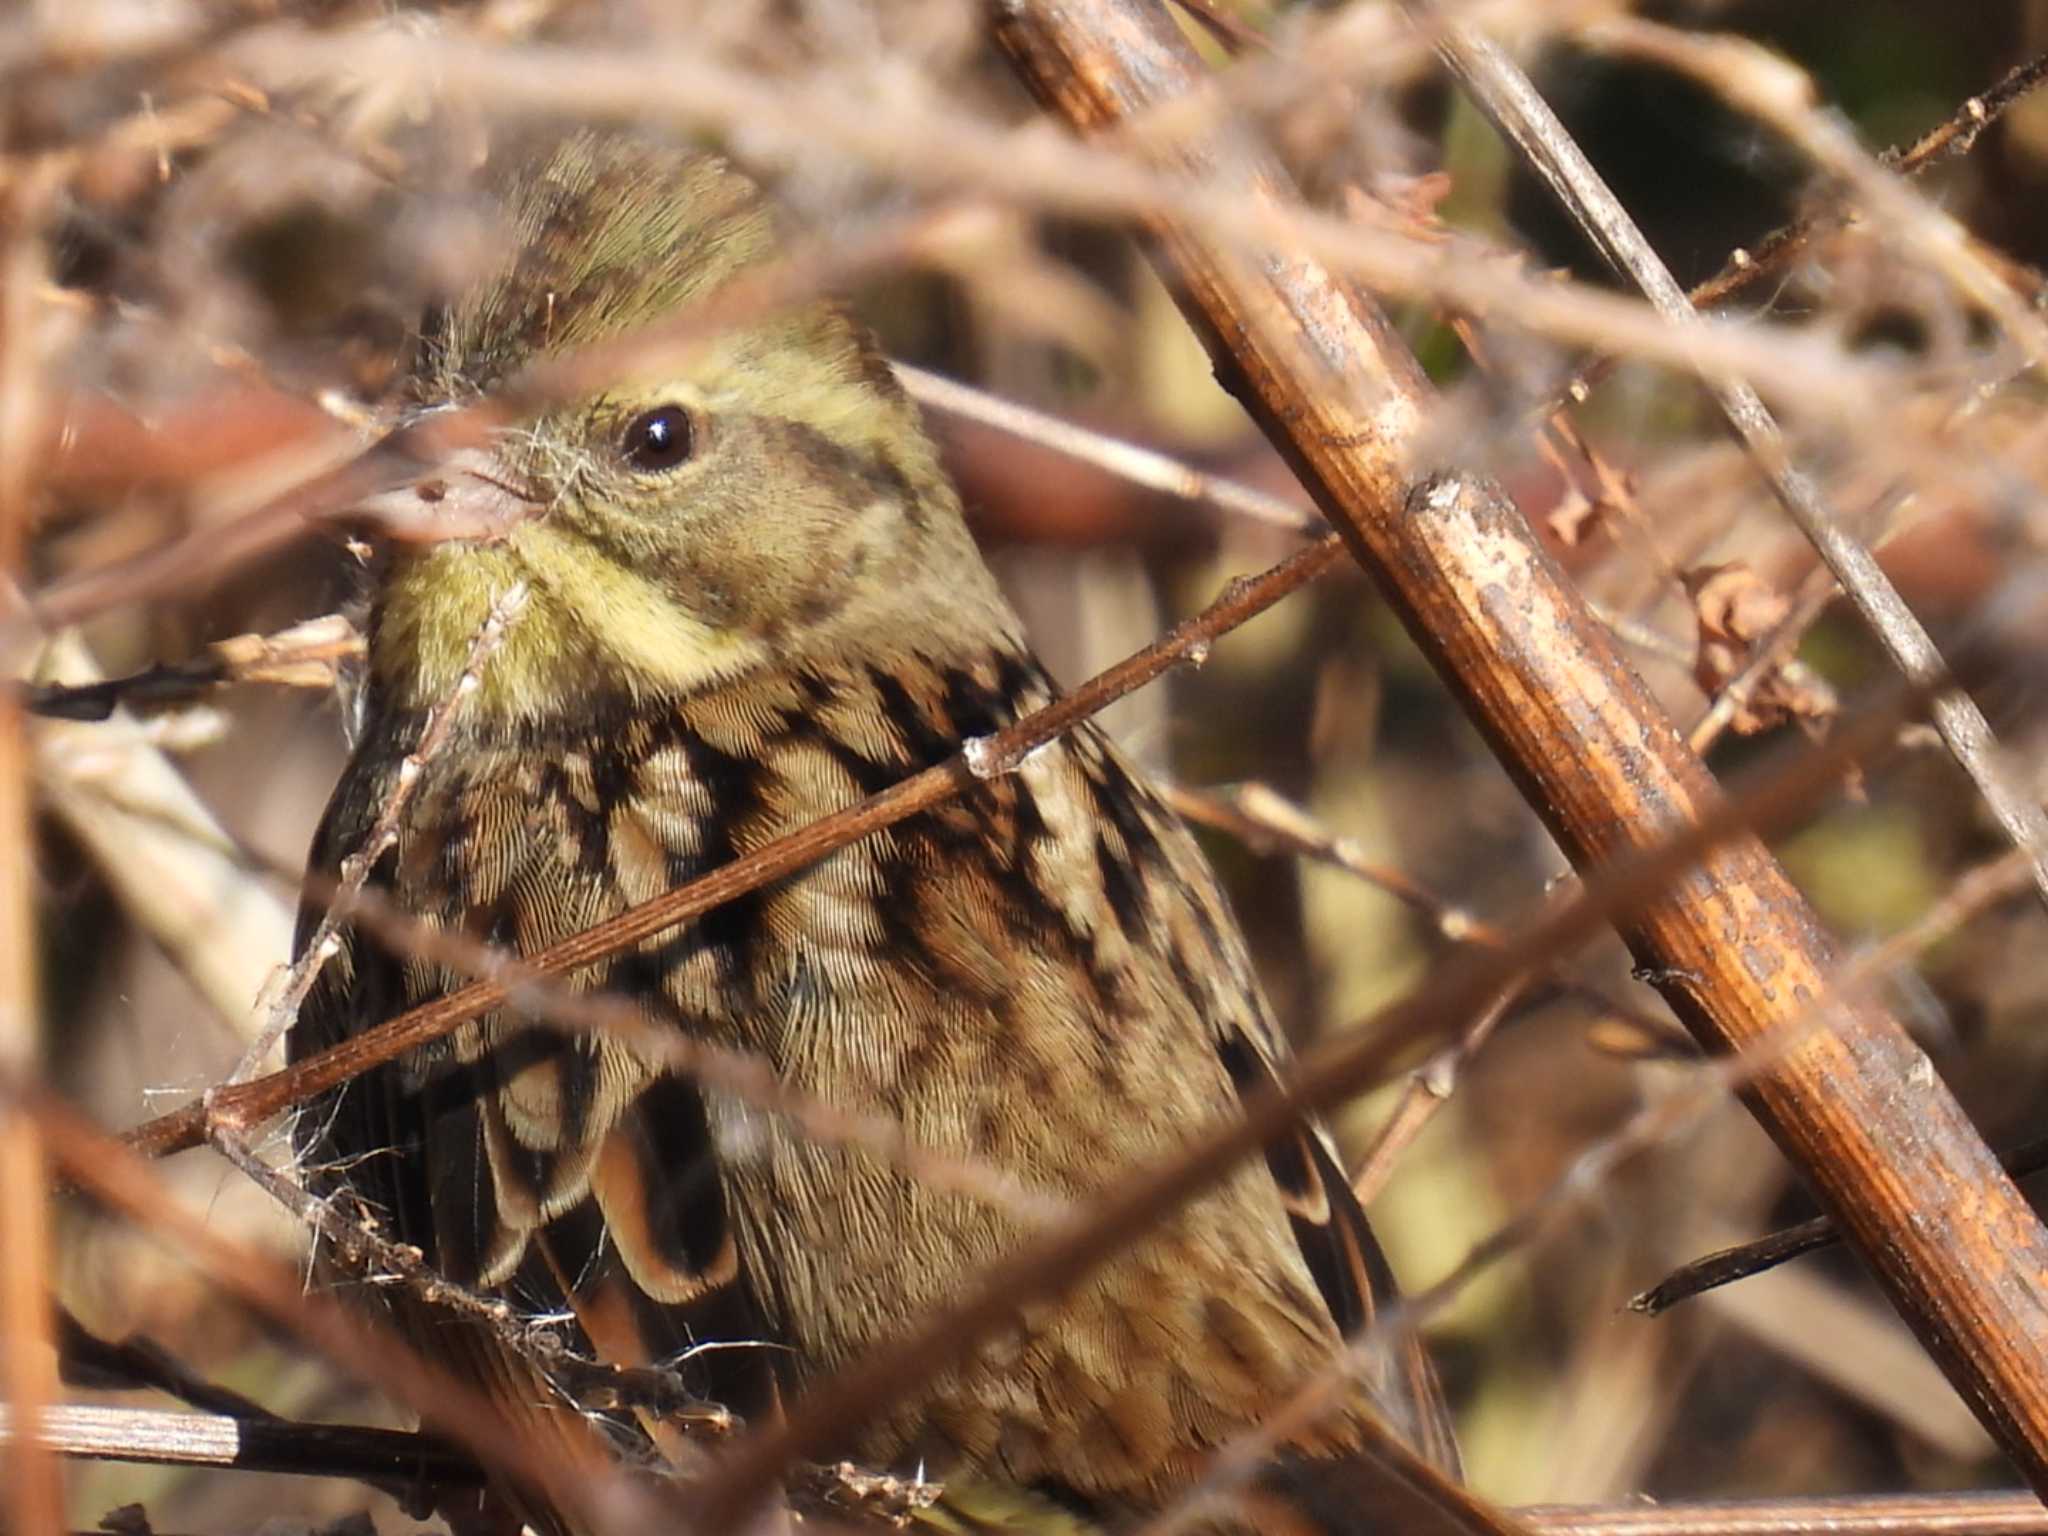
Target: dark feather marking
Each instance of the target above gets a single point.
(726, 933)
(1070, 1500)
(447, 873)
(1122, 804)
(903, 922)
(1023, 1066)
(837, 465)
(1183, 973)
(1122, 885)
(1027, 826)
(870, 775)
(728, 930)
(576, 1082)
(1019, 676)
(820, 692)
(873, 368)
(1297, 1164)
(925, 743)
(687, 1216)
(614, 768)
(688, 1219)
(446, 1148)
(587, 827)
(1344, 1259)
(972, 707)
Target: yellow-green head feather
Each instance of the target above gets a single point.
(807, 510)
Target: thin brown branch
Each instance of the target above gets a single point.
(1735, 948)
(1711, 1271)
(1263, 820)
(141, 1364)
(1959, 134)
(1428, 1089)
(306, 655)
(1777, 251)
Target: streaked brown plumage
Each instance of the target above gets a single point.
(770, 612)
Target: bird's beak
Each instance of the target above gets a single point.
(470, 495)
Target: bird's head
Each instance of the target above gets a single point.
(755, 493)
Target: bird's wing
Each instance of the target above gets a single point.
(555, 1170)
(1349, 1268)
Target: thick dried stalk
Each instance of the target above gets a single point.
(1858, 1108)
(31, 1495)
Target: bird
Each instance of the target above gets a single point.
(751, 599)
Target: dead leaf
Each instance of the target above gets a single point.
(1735, 609)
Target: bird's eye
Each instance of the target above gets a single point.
(658, 439)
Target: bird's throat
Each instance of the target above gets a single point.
(580, 624)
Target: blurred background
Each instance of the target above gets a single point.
(225, 224)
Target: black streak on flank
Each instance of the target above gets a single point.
(803, 728)
(1126, 892)
(728, 929)
(1020, 679)
(576, 1081)
(972, 707)
(925, 742)
(586, 827)
(613, 771)
(870, 776)
(1027, 827)
(1120, 800)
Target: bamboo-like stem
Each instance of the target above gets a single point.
(33, 1501)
